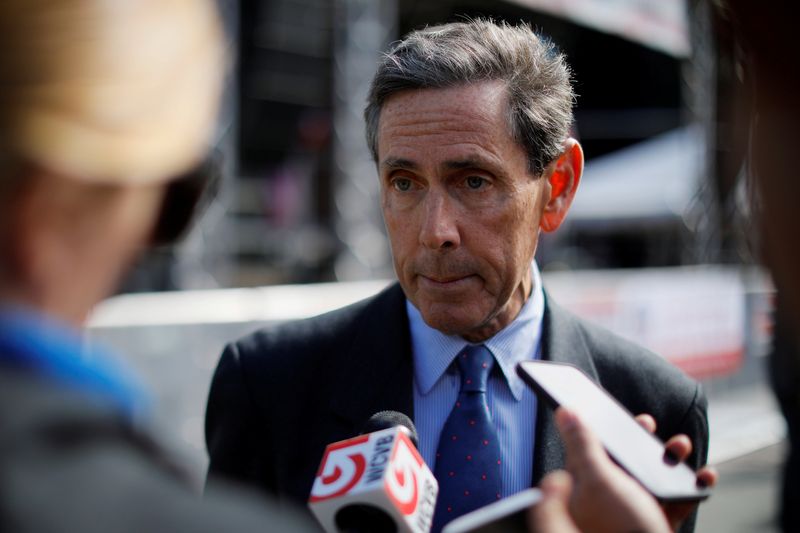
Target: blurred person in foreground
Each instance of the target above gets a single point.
(769, 95)
(103, 103)
(469, 125)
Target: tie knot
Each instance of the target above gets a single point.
(475, 363)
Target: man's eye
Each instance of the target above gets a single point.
(402, 184)
(475, 182)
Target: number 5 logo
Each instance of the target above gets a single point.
(342, 468)
(402, 481)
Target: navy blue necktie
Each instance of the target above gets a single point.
(468, 457)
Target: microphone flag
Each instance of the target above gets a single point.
(379, 472)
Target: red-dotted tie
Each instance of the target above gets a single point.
(468, 458)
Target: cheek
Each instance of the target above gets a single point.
(401, 230)
(511, 243)
(135, 217)
(526, 219)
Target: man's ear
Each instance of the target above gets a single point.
(27, 221)
(18, 233)
(563, 176)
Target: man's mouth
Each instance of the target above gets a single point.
(445, 281)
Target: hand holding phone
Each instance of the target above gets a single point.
(595, 494)
(640, 453)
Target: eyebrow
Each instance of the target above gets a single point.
(456, 164)
(470, 162)
(397, 162)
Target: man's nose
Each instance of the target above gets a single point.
(440, 223)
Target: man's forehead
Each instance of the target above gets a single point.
(477, 108)
(464, 125)
(451, 97)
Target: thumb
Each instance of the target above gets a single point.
(585, 454)
(552, 511)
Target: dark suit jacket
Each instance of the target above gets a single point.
(280, 395)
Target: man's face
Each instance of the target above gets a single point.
(461, 208)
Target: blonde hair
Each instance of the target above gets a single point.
(109, 91)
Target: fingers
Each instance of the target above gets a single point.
(677, 512)
(557, 484)
(552, 512)
(599, 485)
(677, 449)
(604, 498)
(707, 477)
(583, 448)
(647, 422)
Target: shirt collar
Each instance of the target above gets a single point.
(34, 342)
(434, 351)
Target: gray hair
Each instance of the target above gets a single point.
(540, 95)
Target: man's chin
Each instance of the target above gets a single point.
(450, 323)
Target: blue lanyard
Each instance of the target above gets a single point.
(44, 347)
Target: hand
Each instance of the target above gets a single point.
(602, 498)
(678, 448)
(551, 513)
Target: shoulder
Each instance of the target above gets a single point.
(56, 439)
(323, 331)
(279, 353)
(47, 423)
(32, 406)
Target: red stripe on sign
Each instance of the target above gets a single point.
(711, 365)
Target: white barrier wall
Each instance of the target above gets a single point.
(696, 317)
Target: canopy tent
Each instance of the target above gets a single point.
(651, 181)
(659, 24)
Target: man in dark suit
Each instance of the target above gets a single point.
(468, 124)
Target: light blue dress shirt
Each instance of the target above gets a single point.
(511, 403)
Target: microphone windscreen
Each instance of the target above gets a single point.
(389, 419)
(360, 518)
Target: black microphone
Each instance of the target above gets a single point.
(376, 482)
(389, 419)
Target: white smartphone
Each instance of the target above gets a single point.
(635, 449)
(503, 516)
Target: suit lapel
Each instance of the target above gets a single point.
(563, 342)
(376, 372)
